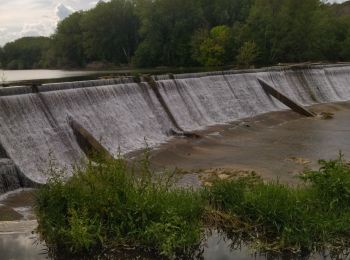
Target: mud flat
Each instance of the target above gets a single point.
(275, 145)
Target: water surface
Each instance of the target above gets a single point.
(23, 75)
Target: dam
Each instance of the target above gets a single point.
(125, 114)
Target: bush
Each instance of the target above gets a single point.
(107, 205)
(247, 54)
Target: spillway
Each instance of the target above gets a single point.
(123, 115)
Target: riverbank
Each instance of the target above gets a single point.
(275, 145)
(112, 206)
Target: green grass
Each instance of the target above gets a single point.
(297, 219)
(106, 205)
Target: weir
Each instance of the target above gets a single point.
(87, 142)
(151, 82)
(123, 115)
(178, 130)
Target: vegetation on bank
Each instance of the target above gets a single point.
(107, 205)
(278, 217)
(148, 33)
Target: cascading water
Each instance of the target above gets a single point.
(29, 134)
(121, 114)
(209, 100)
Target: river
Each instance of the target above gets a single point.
(24, 75)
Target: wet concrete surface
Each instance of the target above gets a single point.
(275, 145)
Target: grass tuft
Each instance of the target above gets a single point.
(106, 204)
(297, 219)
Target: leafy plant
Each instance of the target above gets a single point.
(247, 54)
(111, 203)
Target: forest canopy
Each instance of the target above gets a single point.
(151, 33)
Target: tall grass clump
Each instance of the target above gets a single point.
(109, 204)
(277, 217)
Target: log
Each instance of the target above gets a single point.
(88, 143)
(285, 100)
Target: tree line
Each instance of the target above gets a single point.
(150, 33)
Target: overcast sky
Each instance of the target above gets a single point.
(20, 18)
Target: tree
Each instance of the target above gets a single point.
(2, 57)
(166, 30)
(345, 48)
(190, 32)
(110, 32)
(67, 49)
(25, 53)
(227, 12)
(284, 30)
(247, 54)
(212, 48)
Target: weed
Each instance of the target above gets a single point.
(109, 204)
(106, 204)
(285, 218)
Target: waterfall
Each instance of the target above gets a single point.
(121, 114)
(34, 127)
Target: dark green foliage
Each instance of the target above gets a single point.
(166, 30)
(106, 205)
(150, 33)
(25, 53)
(67, 49)
(110, 32)
(225, 12)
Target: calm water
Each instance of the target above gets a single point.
(26, 246)
(46, 76)
(23, 75)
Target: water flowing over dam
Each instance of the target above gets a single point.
(122, 114)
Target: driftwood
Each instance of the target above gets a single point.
(285, 100)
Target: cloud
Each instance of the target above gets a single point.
(39, 17)
(62, 11)
(20, 18)
(37, 29)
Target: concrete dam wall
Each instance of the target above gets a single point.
(35, 122)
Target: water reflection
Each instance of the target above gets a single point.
(217, 246)
(221, 247)
(18, 75)
(21, 247)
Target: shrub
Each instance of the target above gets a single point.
(247, 54)
(106, 204)
(303, 218)
(110, 204)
